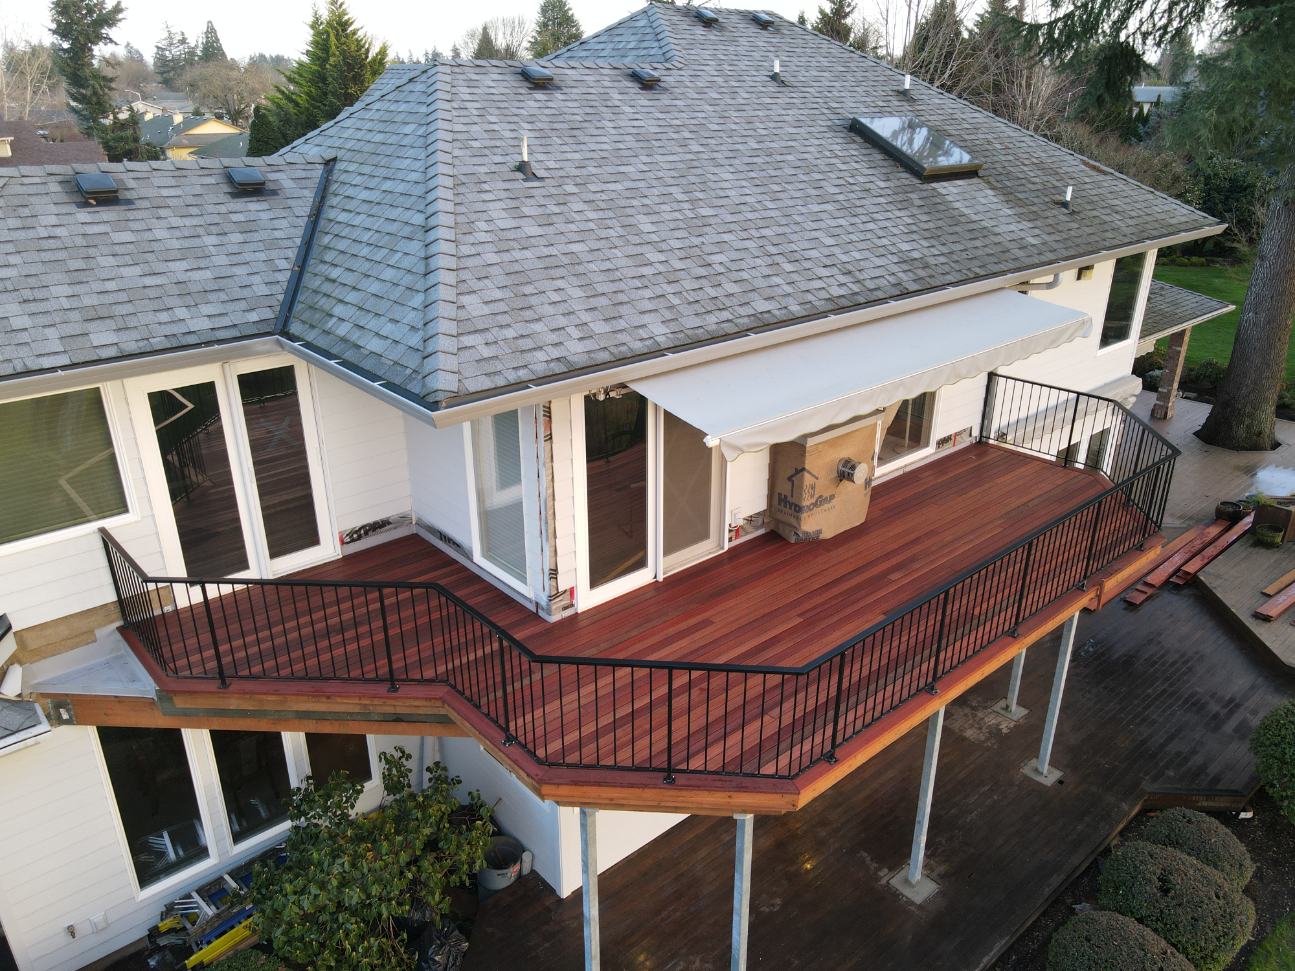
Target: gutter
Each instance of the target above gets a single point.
(467, 407)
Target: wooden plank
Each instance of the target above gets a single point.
(1275, 606)
(1202, 559)
(1199, 537)
(1280, 584)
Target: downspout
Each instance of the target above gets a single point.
(1050, 285)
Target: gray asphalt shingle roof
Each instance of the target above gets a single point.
(716, 203)
(185, 261)
(1171, 308)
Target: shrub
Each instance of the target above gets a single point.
(1204, 839)
(1102, 941)
(342, 899)
(1206, 376)
(1276, 952)
(1187, 903)
(1273, 744)
(1151, 380)
(1153, 360)
(246, 961)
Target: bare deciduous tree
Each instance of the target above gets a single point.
(509, 38)
(27, 76)
(228, 88)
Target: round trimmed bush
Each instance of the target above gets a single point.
(1202, 838)
(1189, 904)
(1103, 941)
(1273, 745)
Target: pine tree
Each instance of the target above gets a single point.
(172, 56)
(802, 19)
(338, 66)
(80, 26)
(209, 45)
(132, 53)
(1246, 90)
(121, 142)
(555, 28)
(485, 49)
(834, 20)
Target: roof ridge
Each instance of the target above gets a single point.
(440, 298)
(364, 101)
(160, 165)
(655, 22)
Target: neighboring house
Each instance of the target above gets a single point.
(55, 143)
(229, 146)
(517, 381)
(146, 110)
(1147, 97)
(181, 136)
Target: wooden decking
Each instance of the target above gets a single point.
(1159, 698)
(765, 602)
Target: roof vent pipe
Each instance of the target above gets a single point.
(907, 89)
(1070, 194)
(777, 73)
(524, 166)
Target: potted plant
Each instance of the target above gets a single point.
(1270, 535)
(1273, 512)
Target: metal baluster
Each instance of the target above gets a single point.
(509, 737)
(836, 709)
(669, 726)
(386, 639)
(215, 641)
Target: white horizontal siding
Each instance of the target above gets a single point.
(438, 474)
(364, 453)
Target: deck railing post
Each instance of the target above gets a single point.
(939, 643)
(987, 408)
(116, 583)
(386, 640)
(509, 737)
(1070, 440)
(215, 641)
(830, 757)
(1025, 583)
(669, 726)
(1092, 543)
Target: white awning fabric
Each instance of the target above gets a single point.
(748, 401)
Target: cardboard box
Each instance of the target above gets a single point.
(807, 498)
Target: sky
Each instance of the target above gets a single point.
(279, 26)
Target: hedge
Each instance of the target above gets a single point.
(1276, 952)
(1203, 838)
(1273, 744)
(1103, 941)
(1189, 904)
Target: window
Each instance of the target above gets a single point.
(616, 488)
(154, 790)
(253, 772)
(501, 517)
(57, 464)
(1122, 304)
(910, 431)
(330, 754)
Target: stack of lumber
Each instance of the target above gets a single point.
(1281, 596)
(1187, 555)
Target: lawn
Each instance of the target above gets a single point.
(1214, 338)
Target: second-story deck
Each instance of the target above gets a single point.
(761, 662)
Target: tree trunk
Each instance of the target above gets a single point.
(1244, 413)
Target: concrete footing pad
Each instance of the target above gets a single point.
(918, 893)
(1031, 770)
(1000, 708)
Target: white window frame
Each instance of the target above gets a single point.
(132, 513)
(270, 834)
(375, 767)
(530, 502)
(168, 884)
(225, 378)
(585, 596)
(917, 455)
(692, 555)
(1139, 305)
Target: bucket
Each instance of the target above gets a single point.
(503, 863)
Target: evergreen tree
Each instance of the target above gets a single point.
(555, 28)
(834, 20)
(209, 45)
(1246, 93)
(337, 67)
(132, 53)
(1178, 60)
(486, 48)
(80, 26)
(938, 52)
(172, 56)
(802, 19)
(121, 141)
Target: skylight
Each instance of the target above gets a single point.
(763, 19)
(707, 17)
(96, 187)
(649, 79)
(920, 149)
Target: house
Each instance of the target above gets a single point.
(180, 136)
(484, 424)
(1148, 97)
(52, 143)
(228, 146)
(146, 110)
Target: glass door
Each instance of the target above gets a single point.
(233, 451)
(616, 493)
(691, 494)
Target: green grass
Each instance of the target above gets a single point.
(1277, 951)
(1214, 338)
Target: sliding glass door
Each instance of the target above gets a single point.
(691, 494)
(232, 462)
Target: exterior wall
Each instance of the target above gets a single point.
(438, 475)
(549, 831)
(564, 498)
(365, 459)
(65, 862)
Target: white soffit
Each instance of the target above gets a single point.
(748, 401)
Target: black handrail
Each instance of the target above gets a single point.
(698, 717)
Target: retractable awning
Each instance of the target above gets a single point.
(748, 401)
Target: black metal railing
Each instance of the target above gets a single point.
(670, 717)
